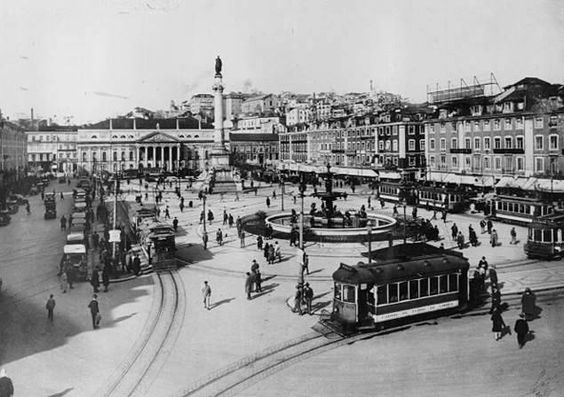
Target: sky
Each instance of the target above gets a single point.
(87, 60)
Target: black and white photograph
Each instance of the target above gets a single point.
(273, 198)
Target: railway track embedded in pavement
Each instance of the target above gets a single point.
(143, 362)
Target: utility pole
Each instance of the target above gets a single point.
(115, 215)
(282, 189)
(204, 198)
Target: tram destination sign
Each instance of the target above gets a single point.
(415, 311)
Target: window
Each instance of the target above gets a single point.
(393, 292)
(412, 162)
(411, 130)
(443, 128)
(497, 163)
(433, 285)
(403, 288)
(539, 142)
(486, 163)
(395, 130)
(395, 161)
(432, 161)
(539, 164)
(443, 284)
(443, 144)
(115, 156)
(497, 142)
(497, 125)
(424, 287)
(467, 143)
(453, 282)
(477, 143)
(519, 142)
(388, 145)
(476, 126)
(432, 128)
(382, 295)
(519, 123)
(348, 293)
(337, 291)
(395, 145)
(508, 164)
(413, 289)
(486, 125)
(422, 145)
(103, 156)
(539, 122)
(380, 145)
(454, 161)
(432, 144)
(467, 126)
(388, 131)
(130, 156)
(508, 142)
(487, 143)
(468, 162)
(508, 124)
(553, 142)
(454, 143)
(411, 144)
(520, 164)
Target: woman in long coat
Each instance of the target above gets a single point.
(528, 304)
(498, 325)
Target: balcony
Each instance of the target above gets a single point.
(461, 150)
(509, 151)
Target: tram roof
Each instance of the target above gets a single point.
(550, 220)
(402, 262)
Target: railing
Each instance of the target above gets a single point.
(509, 151)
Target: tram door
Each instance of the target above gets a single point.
(365, 302)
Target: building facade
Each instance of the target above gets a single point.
(13, 148)
(53, 149)
(259, 124)
(115, 145)
(254, 148)
(261, 104)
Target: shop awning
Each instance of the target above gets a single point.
(385, 174)
(548, 185)
(515, 183)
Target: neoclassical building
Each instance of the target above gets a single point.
(115, 145)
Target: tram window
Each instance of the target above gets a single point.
(338, 291)
(393, 292)
(527, 209)
(537, 235)
(348, 293)
(403, 291)
(546, 236)
(413, 289)
(434, 287)
(424, 287)
(510, 207)
(382, 295)
(443, 284)
(452, 282)
(522, 208)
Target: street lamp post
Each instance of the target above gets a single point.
(204, 220)
(282, 191)
(302, 190)
(369, 229)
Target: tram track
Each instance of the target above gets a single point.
(140, 367)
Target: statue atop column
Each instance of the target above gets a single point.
(218, 65)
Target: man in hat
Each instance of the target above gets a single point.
(6, 385)
(94, 311)
(50, 306)
(521, 329)
(206, 292)
(308, 295)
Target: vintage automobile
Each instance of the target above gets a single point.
(75, 255)
(75, 238)
(50, 206)
(4, 218)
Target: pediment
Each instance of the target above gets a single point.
(158, 137)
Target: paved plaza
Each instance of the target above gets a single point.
(209, 342)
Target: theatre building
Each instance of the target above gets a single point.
(114, 145)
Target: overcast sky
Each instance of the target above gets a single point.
(93, 59)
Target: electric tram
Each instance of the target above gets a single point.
(403, 282)
(396, 192)
(436, 197)
(545, 237)
(521, 210)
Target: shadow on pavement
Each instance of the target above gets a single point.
(25, 329)
(61, 394)
(221, 302)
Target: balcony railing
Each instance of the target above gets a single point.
(461, 150)
(509, 151)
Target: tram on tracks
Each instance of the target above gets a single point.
(520, 210)
(158, 240)
(435, 197)
(403, 282)
(396, 192)
(545, 237)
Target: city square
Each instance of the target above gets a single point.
(251, 243)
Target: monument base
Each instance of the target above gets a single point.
(222, 178)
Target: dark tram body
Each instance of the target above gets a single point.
(396, 192)
(435, 197)
(403, 282)
(520, 210)
(545, 237)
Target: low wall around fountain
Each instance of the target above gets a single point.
(379, 232)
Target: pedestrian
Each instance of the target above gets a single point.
(248, 285)
(258, 281)
(489, 225)
(259, 242)
(50, 306)
(308, 296)
(483, 226)
(483, 263)
(444, 216)
(460, 240)
(513, 234)
(414, 212)
(205, 240)
(206, 292)
(395, 209)
(298, 300)
(271, 254)
(136, 265)
(230, 220)
(472, 236)
(181, 206)
(175, 224)
(294, 198)
(242, 237)
(225, 217)
(493, 238)
(27, 208)
(369, 200)
(106, 278)
(167, 213)
(202, 216)
(95, 311)
(305, 265)
(64, 281)
(274, 194)
(277, 252)
(6, 385)
(528, 304)
(254, 266)
(498, 325)
(454, 231)
(493, 277)
(496, 300)
(266, 250)
(63, 223)
(521, 328)
(434, 217)
(219, 237)
(210, 216)
(268, 202)
(94, 281)
(62, 197)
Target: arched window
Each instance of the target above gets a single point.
(122, 156)
(122, 137)
(115, 156)
(92, 137)
(114, 136)
(84, 157)
(131, 156)
(104, 156)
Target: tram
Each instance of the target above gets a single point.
(403, 282)
(545, 237)
(397, 192)
(441, 198)
(521, 210)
